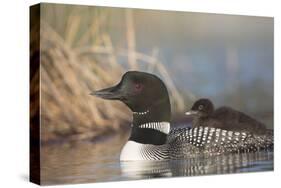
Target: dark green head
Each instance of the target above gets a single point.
(140, 91)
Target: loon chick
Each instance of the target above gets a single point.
(224, 118)
(151, 139)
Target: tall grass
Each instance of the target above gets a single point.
(75, 62)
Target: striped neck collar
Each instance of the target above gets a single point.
(163, 127)
(141, 113)
(154, 133)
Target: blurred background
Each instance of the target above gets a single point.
(226, 58)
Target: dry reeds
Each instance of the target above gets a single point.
(69, 73)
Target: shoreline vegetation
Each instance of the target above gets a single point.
(72, 65)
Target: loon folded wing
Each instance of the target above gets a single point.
(211, 141)
(176, 132)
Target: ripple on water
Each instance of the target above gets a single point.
(83, 162)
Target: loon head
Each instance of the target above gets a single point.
(201, 108)
(147, 97)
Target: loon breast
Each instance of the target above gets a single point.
(133, 151)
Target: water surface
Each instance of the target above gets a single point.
(85, 161)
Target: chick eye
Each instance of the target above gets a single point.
(200, 107)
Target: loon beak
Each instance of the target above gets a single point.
(111, 93)
(191, 112)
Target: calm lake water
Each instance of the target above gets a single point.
(85, 161)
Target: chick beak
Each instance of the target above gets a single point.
(191, 112)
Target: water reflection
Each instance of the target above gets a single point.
(223, 164)
(82, 162)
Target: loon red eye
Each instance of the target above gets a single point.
(138, 87)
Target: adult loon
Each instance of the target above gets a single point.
(151, 138)
(224, 118)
